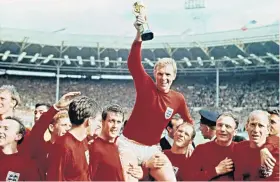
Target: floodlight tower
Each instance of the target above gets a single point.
(194, 4)
(194, 12)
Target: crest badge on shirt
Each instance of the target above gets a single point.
(87, 156)
(168, 113)
(12, 176)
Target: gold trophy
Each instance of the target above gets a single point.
(139, 9)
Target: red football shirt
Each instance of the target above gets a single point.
(246, 162)
(104, 163)
(177, 161)
(272, 144)
(68, 160)
(24, 147)
(203, 161)
(153, 109)
(17, 167)
(39, 148)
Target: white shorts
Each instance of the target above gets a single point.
(142, 152)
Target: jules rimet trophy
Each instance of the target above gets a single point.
(139, 9)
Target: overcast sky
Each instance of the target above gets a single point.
(115, 16)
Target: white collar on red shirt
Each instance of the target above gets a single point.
(213, 138)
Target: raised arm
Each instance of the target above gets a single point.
(59, 157)
(38, 130)
(37, 133)
(184, 111)
(134, 59)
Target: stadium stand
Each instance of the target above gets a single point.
(246, 64)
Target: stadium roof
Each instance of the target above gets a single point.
(114, 17)
(258, 34)
(33, 40)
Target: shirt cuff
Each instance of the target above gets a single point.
(56, 108)
(212, 173)
(137, 42)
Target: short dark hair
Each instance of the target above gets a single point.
(82, 108)
(230, 114)
(42, 104)
(22, 128)
(176, 116)
(14, 93)
(274, 111)
(112, 108)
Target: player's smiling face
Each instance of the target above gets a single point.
(112, 125)
(183, 136)
(6, 103)
(164, 76)
(225, 130)
(9, 132)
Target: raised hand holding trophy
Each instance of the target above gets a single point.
(139, 10)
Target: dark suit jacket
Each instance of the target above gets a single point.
(164, 144)
(238, 138)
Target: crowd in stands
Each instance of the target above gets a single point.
(235, 92)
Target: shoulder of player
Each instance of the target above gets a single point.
(64, 143)
(176, 94)
(204, 146)
(207, 145)
(96, 145)
(167, 152)
(150, 86)
(272, 143)
(61, 140)
(272, 139)
(241, 145)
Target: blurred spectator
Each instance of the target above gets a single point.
(246, 93)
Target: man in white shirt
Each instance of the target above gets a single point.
(167, 141)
